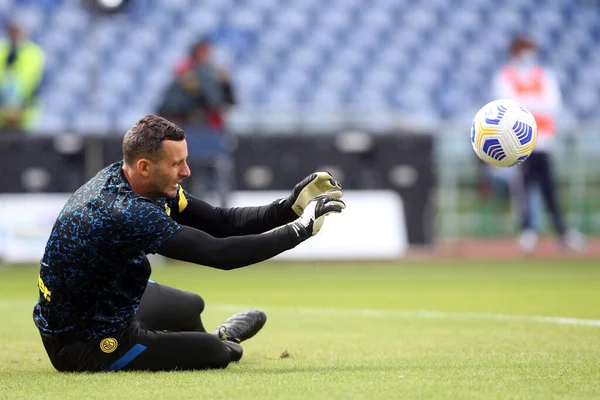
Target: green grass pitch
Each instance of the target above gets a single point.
(403, 330)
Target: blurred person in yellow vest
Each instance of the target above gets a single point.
(537, 88)
(21, 74)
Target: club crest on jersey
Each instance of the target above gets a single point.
(109, 345)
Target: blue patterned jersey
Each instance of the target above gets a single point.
(94, 270)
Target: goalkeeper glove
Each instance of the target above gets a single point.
(310, 187)
(311, 220)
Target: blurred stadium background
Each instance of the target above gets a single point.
(380, 92)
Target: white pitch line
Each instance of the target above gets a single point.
(419, 314)
(373, 313)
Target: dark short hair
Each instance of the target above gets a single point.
(145, 137)
(200, 43)
(521, 42)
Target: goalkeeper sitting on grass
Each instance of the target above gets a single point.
(97, 309)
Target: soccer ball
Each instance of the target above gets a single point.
(503, 133)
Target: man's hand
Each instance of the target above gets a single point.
(311, 187)
(311, 220)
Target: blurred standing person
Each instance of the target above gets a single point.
(536, 87)
(203, 92)
(198, 99)
(21, 73)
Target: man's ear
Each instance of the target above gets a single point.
(144, 167)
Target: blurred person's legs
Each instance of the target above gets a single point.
(211, 159)
(223, 177)
(570, 238)
(534, 207)
(528, 237)
(201, 183)
(538, 176)
(537, 207)
(532, 217)
(548, 191)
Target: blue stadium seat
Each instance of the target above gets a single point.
(5, 6)
(241, 121)
(430, 57)
(322, 120)
(278, 119)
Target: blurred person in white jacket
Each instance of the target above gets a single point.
(536, 87)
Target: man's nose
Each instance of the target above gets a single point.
(185, 171)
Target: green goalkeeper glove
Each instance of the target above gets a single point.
(311, 220)
(311, 187)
